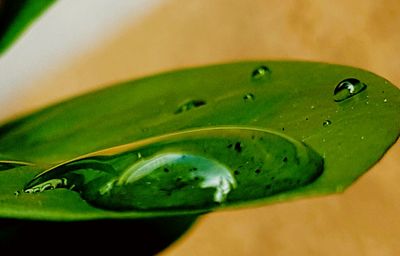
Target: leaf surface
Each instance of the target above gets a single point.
(295, 99)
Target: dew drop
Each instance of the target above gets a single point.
(175, 172)
(385, 100)
(326, 123)
(260, 73)
(249, 97)
(190, 105)
(348, 88)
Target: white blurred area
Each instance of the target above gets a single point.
(66, 30)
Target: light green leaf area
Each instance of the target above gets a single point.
(292, 102)
(16, 16)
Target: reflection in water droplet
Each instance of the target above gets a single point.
(249, 97)
(17, 193)
(189, 169)
(385, 100)
(48, 185)
(196, 169)
(260, 73)
(190, 105)
(348, 88)
(327, 123)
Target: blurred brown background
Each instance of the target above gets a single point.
(182, 33)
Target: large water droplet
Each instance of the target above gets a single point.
(348, 88)
(190, 105)
(260, 73)
(196, 169)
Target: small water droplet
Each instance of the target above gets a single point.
(362, 137)
(327, 123)
(348, 88)
(260, 73)
(249, 97)
(190, 105)
(312, 107)
(17, 193)
(385, 100)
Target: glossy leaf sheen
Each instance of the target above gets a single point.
(294, 98)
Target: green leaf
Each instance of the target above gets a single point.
(16, 16)
(292, 102)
